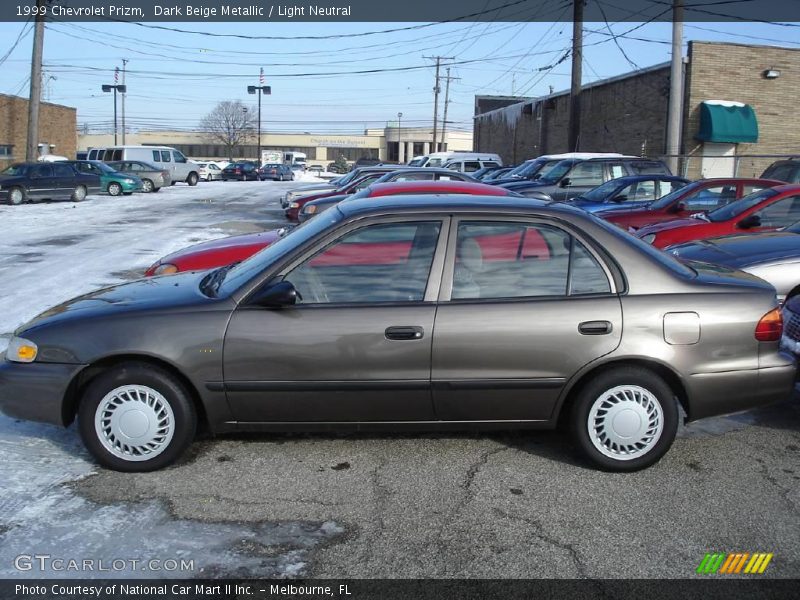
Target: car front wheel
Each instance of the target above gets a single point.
(192, 179)
(16, 196)
(136, 417)
(625, 419)
(114, 189)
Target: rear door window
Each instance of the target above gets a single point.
(156, 156)
(497, 260)
(782, 213)
(711, 197)
(165, 156)
(63, 171)
(470, 166)
(643, 167)
(586, 174)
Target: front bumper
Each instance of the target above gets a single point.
(35, 391)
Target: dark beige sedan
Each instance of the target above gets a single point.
(426, 313)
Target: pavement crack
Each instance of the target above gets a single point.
(783, 492)
(472, 472)
(540, 534)
(380, 496)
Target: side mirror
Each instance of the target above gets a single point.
(749, 222)
(277, 295)
(565, 182)
(620, 198)
(678, 207)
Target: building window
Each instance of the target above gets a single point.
(6, 150)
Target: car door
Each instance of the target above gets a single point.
(43, 183)
(524, 304)
(357, 346)
(65, 181)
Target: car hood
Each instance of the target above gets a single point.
(524, 184)
(234, 241)
(143, 294)
(667, 225)
(742, 250)
(6, 178)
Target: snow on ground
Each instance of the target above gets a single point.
(54, 251)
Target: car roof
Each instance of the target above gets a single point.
(454, 203)
(646, 176)
(443, 187)
(723, 180)
(441, 170)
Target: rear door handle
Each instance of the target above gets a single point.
(404, 332)
(595, 327)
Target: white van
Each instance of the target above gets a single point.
(437, 159)
(470, 165)
(164, 157)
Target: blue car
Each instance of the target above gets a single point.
(630, 191)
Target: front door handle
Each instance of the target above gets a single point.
(406, 332)
(595, 327)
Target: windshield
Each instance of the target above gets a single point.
(667, 200)
(103, 166)
(15, 170)
(435, 162)
(734, 209)
(528, 168)
(556, 172)
(416, 162)
(251, 267)
(605, 190)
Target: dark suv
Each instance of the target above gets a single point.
(784, 170)
(574, 177)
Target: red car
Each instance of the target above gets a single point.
(766, 210)
(224, 251)
(697, 197)
(294, 208)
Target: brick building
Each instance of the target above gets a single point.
(738, 113)
(57, 129)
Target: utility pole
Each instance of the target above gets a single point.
(675, 106)
(124, 62)
(436, 90)
(446, 103)
(574, 134)
(32, 142)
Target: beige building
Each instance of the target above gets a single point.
(57, 126)
(390, 144)
(738, 113)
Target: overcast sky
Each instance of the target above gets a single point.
(175, 78)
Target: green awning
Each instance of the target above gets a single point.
(727, 122)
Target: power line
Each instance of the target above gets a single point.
(26, 29)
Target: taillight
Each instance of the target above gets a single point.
(238, 171)
(770, 327)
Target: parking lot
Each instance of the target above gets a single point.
(401, 505)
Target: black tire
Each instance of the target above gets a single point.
(79, 194)
(209, 177)
(659, 393)
(192, 179)
(16, 196)
(114, 189)
(155, 378)
(155, 189)
(147, 186)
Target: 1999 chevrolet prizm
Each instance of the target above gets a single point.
(429, 312)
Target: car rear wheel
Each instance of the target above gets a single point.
(147, 186)
(79, 195)
(136, 417)
(16, 195)
(114, 189)
(625, 419)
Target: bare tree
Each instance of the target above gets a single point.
(228, 124)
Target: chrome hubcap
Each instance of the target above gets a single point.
(134, 422)
(147, 186)
(625, 422)
(80, 193)
(16, 196)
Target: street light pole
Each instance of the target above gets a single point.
(399, 127)
(260, 89)
(115, 88)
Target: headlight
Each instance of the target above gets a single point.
(21, 350)
(294, 205)
(130, 181)
(649, 238)
(165, 269)
(310, 209)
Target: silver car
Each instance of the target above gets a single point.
(426, 313)
(774, 256)
(153, 178)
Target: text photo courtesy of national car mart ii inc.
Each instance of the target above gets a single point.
(283, 11)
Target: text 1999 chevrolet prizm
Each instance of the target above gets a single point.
(430, 312)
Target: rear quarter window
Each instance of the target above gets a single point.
(641, 167)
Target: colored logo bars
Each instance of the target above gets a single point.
(734, 563)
